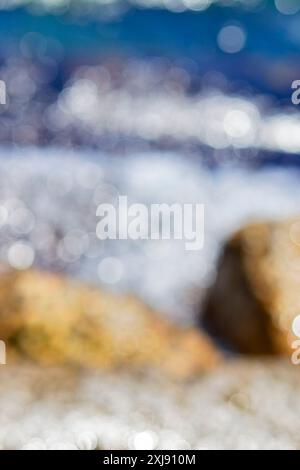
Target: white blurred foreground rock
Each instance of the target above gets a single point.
(244, 405)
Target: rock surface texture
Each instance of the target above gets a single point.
(52, 320)
(256, 296)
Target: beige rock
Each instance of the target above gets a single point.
(256, 295)
(52, 320)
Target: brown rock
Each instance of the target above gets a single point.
(52, 320)
(256, 295)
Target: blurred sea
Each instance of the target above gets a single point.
(121, 78)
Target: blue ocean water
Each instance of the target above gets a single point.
(272, 45)
(168, 57)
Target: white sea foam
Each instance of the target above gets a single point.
(173, 5)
